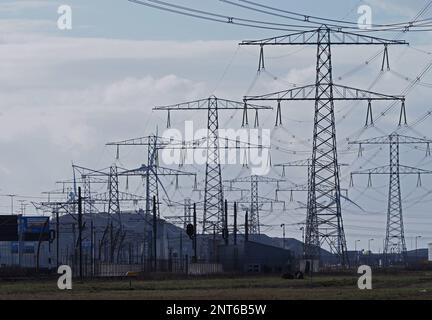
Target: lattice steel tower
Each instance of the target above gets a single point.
(324, 220)
(152, 171)
(113, 190)
(213, 193)
(395, 235)
(255, 201)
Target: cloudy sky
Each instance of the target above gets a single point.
(65, 93)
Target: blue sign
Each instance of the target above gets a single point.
(34, 225)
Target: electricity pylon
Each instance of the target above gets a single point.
(213, 217)
(85, 182)
(325, 223)
(395, 239)
(112, 186)
(151, 171)
(153, 189)
(113, 190)
(255, 199)
(113, 197)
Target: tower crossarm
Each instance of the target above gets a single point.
(386, 170)
(162, 171)
(173, 204)
(302, 188)
(91, 179)
(122, 196)
(255, 179)
(93, 172)
(394, 138)
(53, 205)
(340, 92)
(309, 37)
(261, 200)
(231, 188)
(161, 142)
(222, 104)
(303, 163)
(143, 141)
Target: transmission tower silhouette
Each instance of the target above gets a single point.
(324, 220)
(213, 217)
(255, 200)
(395, 245)
(152, 170)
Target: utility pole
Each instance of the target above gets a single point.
(57, 236)
(283, 232)
(226, 231)
(416, 248)
(181, 248)
(395, 235)
(246, 226)
(154, 233)
(92, 247)
(213, 193)
(324, 223)
(235, 223)
(195, 258)
(80, 227)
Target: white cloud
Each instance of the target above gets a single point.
(19, 5)
(392, 7)
(136, 92)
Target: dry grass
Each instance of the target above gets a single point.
(414, 285)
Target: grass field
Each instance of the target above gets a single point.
(414, 285)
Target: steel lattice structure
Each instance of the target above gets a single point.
(213, 217)
(113, 190)
(395, 235)
(152, 185)
(152, 170)
(255, 201)
(324, 214)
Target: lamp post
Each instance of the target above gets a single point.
(369, 241)
(12, 196)
(416, 250)
(369, 250)
(283, 232)
(355, 249)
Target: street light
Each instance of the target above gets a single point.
(416, 238)
(303, 233)
(355, 245)
(355, 249)
(283, 230)
(369, 250)
(12, 196)
(369, 241)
